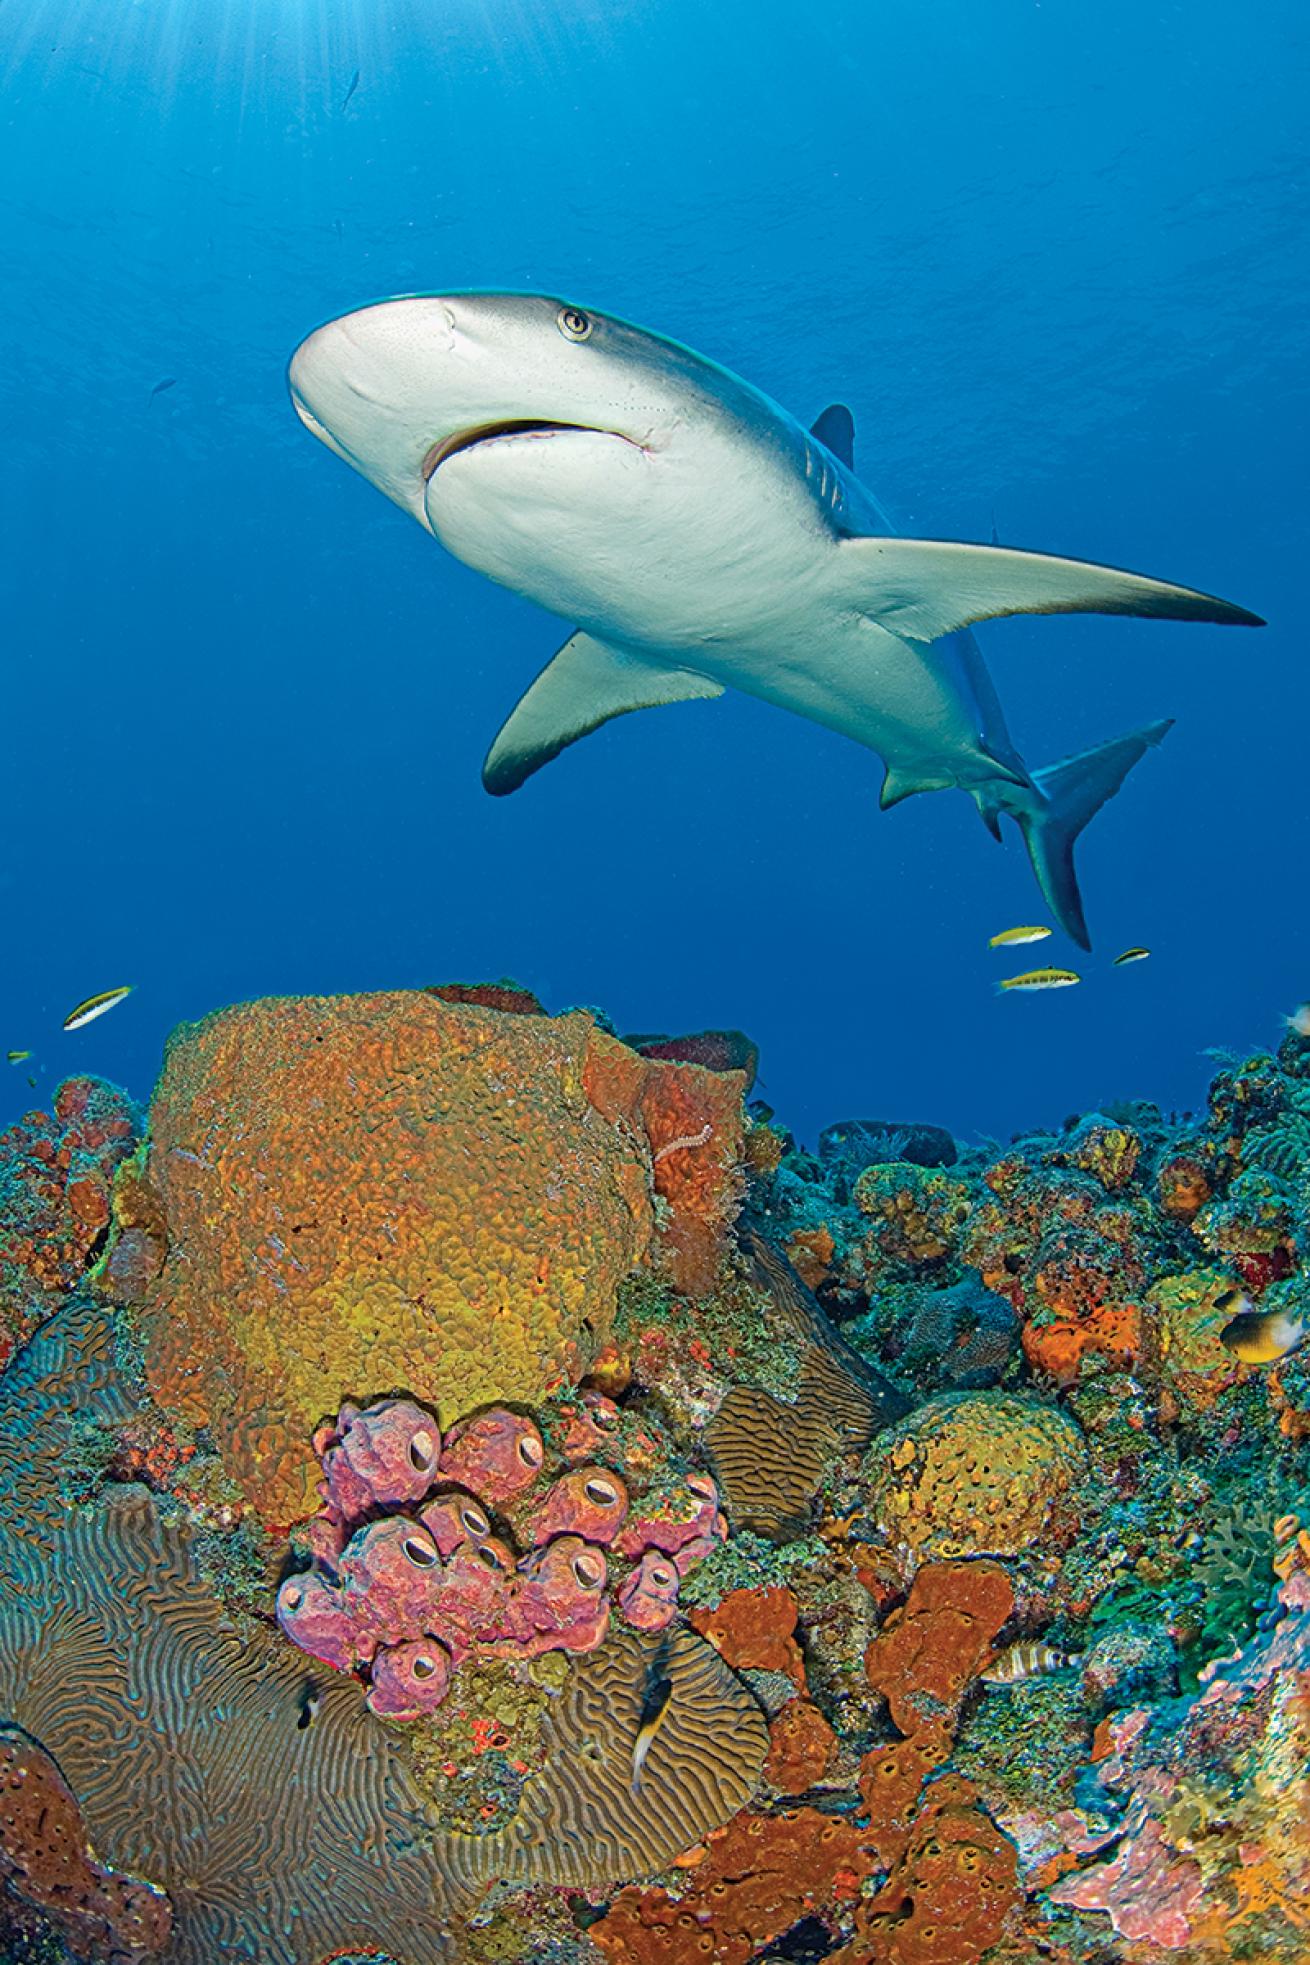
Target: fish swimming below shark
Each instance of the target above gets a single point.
(698, 538)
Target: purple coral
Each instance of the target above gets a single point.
(383, 1456)
(498, 1455)
(686, 1524)
(649, 1598)
(409, 1679)
(589, 1501)
(409, 1599)
(558, 1602)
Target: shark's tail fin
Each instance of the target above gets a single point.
(1072, 792)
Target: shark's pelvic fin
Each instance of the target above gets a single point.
(835, 429)
(924, 588)
(1072, 792)
(901, 782)
(587, 683)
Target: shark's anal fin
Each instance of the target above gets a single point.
(924, 588)
(835, 429)
(586, 684)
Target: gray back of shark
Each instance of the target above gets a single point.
(698, 538)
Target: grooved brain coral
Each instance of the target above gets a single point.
(279, 1816)
(376, 1193)
(974, 1474)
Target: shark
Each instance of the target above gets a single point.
(698, 538)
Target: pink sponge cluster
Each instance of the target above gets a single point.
(426, 1551)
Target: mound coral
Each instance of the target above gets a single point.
(56, 1174)
(916, 1216)
(974, 1473)
(390, 1191)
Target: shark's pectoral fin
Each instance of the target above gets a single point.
(586, 684)
(924, 588)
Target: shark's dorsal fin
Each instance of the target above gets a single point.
(586, 685)
(835, 429)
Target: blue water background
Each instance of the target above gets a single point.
(1052, 253)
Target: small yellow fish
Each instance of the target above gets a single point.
(654, 1707)
(1015, 937)
(1299, 1021)
(95, 1006)
(18, 1057)
(1020, 1661)
(1131, 955)
(1041, 979)
(1260, 1337)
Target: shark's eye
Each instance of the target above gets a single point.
(573, 325)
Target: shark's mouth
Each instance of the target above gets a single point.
(481, 433)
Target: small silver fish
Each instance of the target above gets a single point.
(1025, 1660)
(654, 1707)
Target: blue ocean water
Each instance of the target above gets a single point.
(1052, 254)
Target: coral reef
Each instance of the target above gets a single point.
(46, 1863)
(494, 1564)
(492, 1501)
(975, 1473)
(498, 1170)
(56, 1174)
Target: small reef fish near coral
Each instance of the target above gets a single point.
(1258, 1337)
(95, 1006)
(882, 1555)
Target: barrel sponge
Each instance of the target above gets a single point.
(365, 1194)
(975, 1474)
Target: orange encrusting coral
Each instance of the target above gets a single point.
(56, 1173)
(801, 1747)
(949, 1894)
(762, 1873)
(692, 1120)
(926, 1653)
(46, 1861)
(753, 1630)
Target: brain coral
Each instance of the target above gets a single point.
(367, 1194)
(974, 1474)
(278, 1815)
